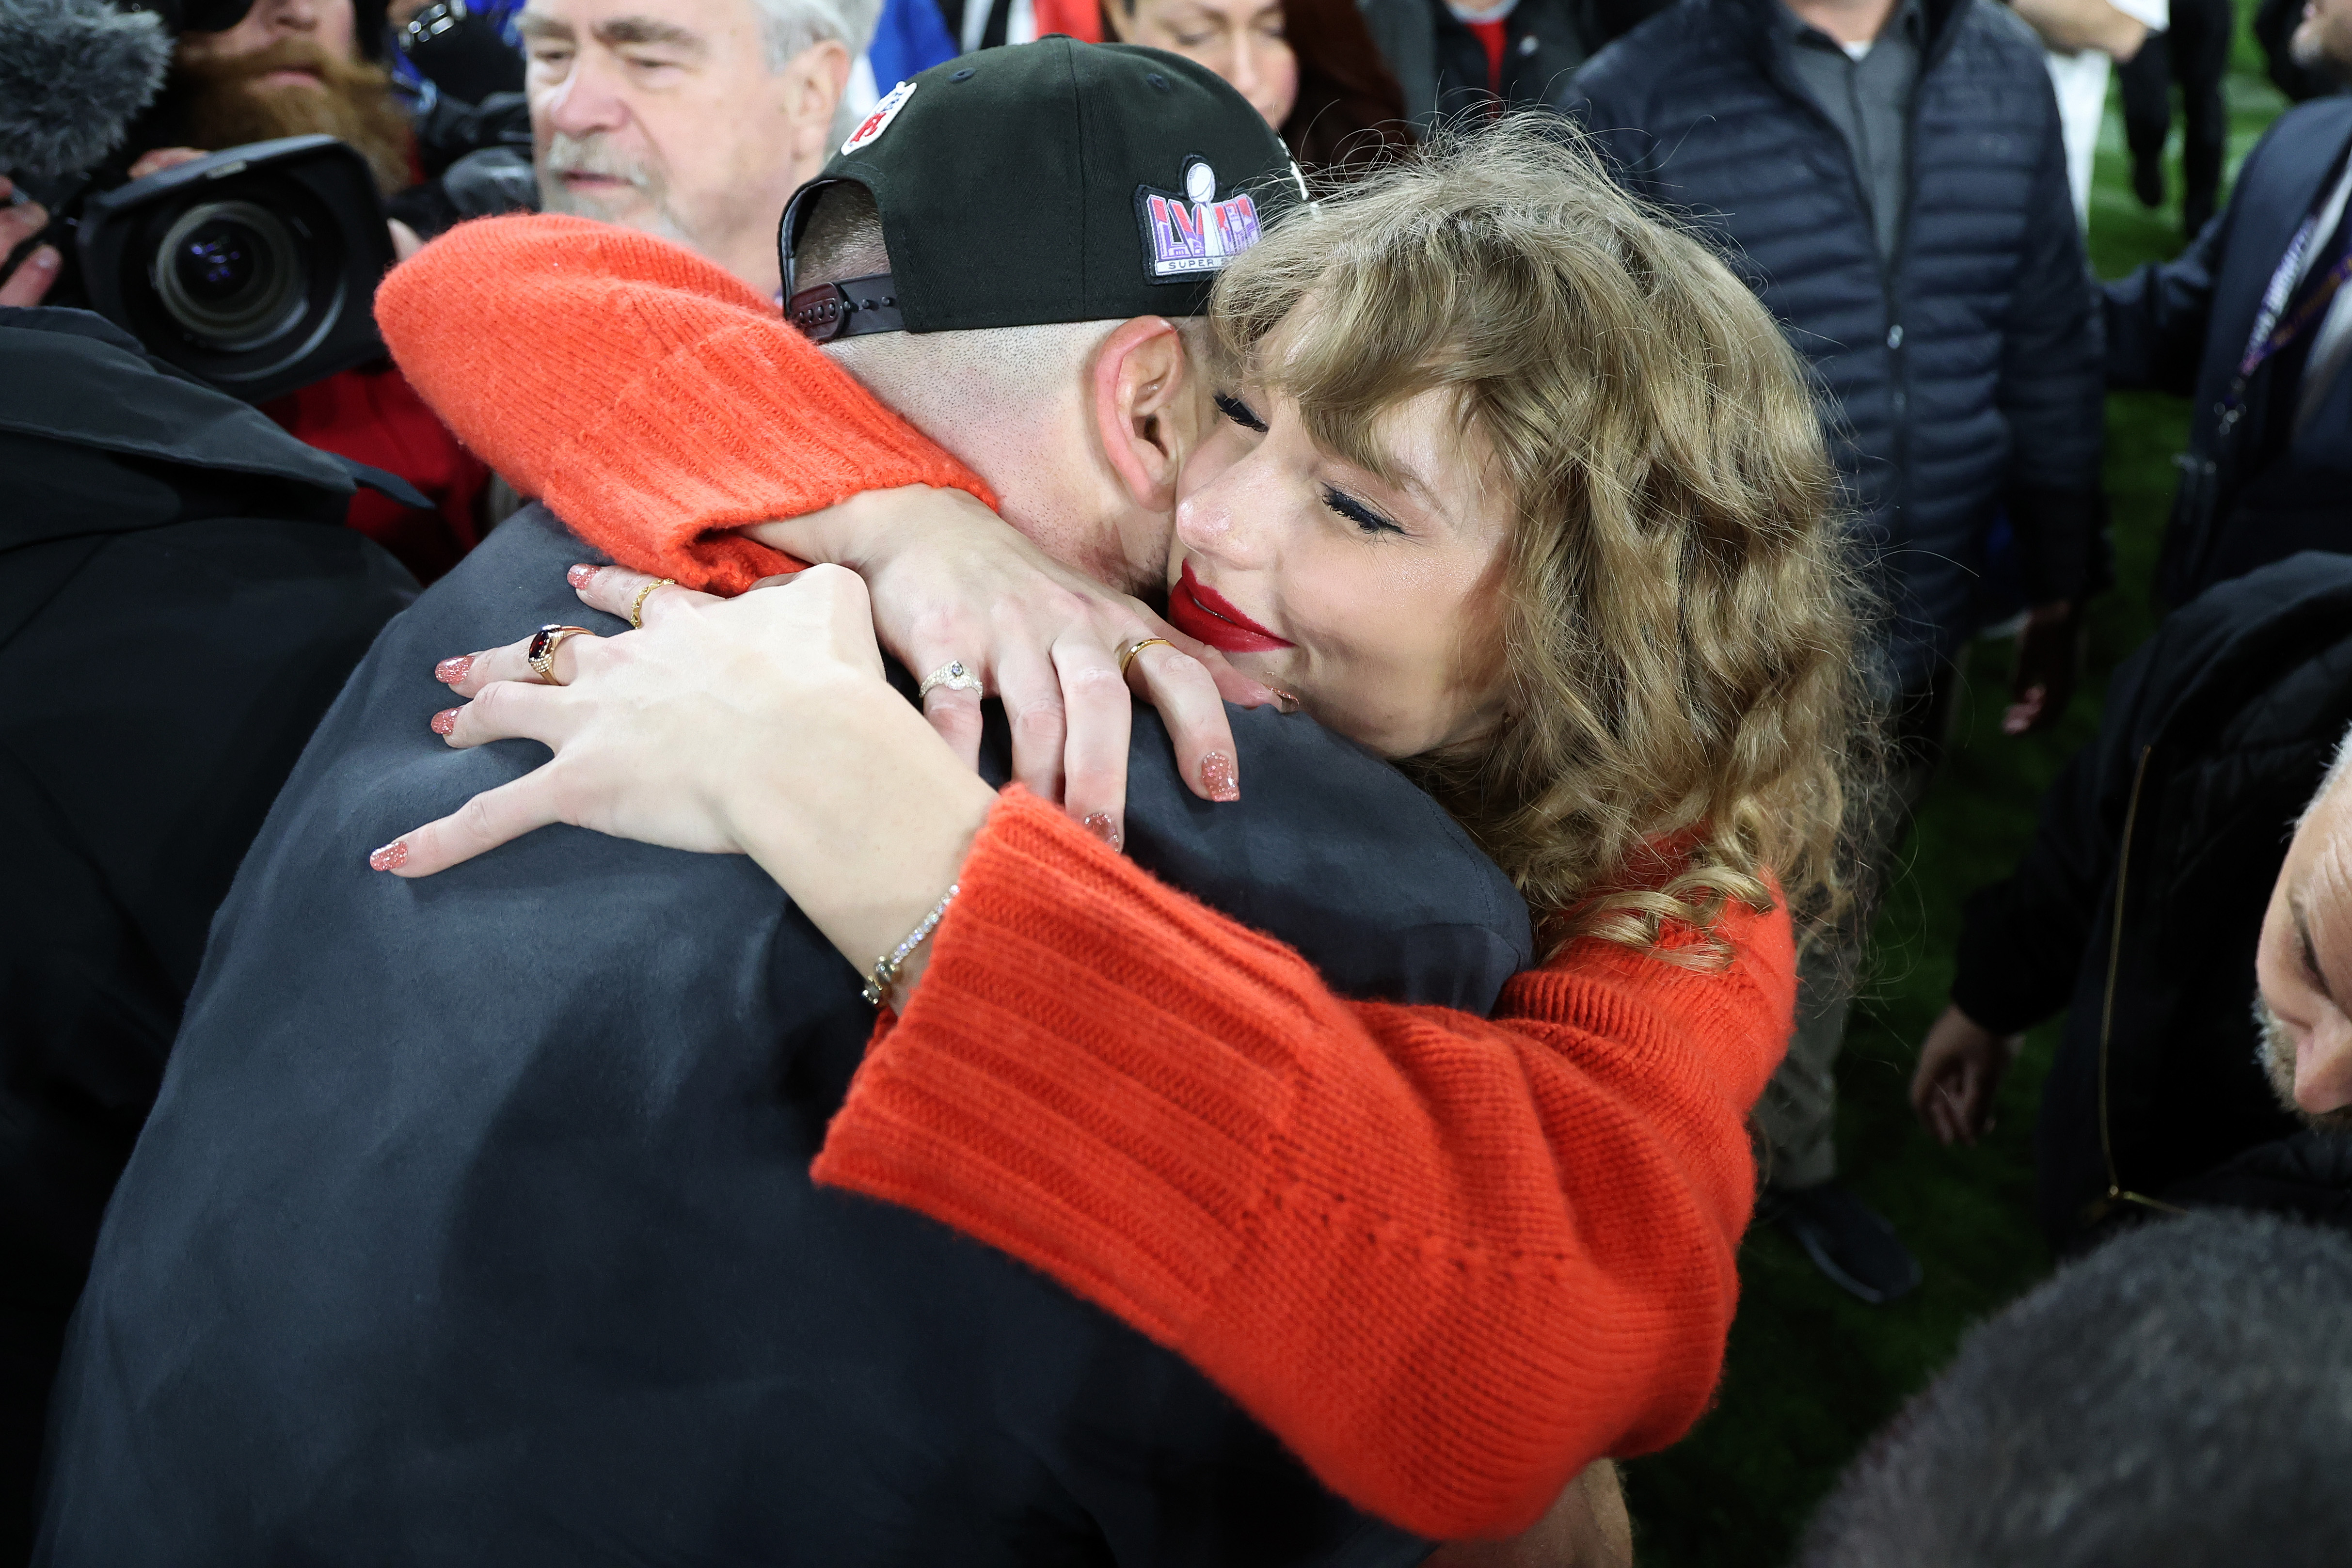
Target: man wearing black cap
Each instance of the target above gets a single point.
(473, 1222)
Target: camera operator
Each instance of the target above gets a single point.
(293, 67)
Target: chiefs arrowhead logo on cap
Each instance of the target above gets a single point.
(1190, 233)
(876, 123)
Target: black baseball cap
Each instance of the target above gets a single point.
(1048, 182)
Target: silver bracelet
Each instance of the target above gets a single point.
(880, 983)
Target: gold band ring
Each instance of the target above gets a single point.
(543, 645)
(1128, 657)
(637, 605)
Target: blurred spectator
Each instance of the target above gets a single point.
(2276, 22)
(2137, 908)
(2193, 52)
(910, 36)
(1456, 58)
(694, 120)
(468, 51)
(2252, 322)
(2080, 39)
(1893, 180)
(178, 607)
(289, 68)
(2176, 1400)
(1311, 67)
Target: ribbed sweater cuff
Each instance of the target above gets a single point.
(1001, 1126)
(649, 398)
(744, 423)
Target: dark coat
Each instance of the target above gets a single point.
(1442, 68)
(179, 602)
(2182, 326)
(1964, 375)
(483, 1232)
(2221, 727)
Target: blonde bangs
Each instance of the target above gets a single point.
(1680, 631)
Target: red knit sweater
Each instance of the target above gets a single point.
(1449, 1260)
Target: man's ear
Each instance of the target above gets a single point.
(815, 81)
(1145, 408)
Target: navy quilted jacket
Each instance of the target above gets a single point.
(1964, 374)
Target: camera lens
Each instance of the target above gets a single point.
(230, 273)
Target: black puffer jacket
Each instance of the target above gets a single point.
(1966, 371)
(2215, 735)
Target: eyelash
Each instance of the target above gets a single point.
(1357, 513)
(1237, 411)
(1339, 501)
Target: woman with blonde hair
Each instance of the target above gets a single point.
(1517, 485)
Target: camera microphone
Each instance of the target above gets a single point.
(73, 74)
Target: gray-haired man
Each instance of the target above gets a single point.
(694, 120)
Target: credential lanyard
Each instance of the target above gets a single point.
(2274, 328)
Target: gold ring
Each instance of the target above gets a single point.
(543, 645)
(637, 605)
(1134, 648)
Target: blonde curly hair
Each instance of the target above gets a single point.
(1680, 625)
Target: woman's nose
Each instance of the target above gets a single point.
(2323, 1065)
(1215, 520)
(1243, 75)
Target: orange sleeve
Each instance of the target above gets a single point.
(1448, 1260)
(646, 394)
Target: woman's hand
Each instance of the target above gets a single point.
(759, 725)
(1961, 1064)
(953, 582)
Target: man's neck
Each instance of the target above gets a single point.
(1844, 21)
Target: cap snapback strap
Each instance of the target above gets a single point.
(849, 309)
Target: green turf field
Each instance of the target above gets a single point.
(1814, 1372)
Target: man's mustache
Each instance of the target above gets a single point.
(568, 154)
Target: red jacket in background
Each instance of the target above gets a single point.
(374, 417)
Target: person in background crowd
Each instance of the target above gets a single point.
(2276, 22)
(1454, 58)
(1892, 175)
(177, 609)
(293, 67)
(693, 119)
(2192, 50)
(2137, 907)
(2175, 1400)
(1310, 66)
(2081, 39)
(467, 50)
(2253, 322)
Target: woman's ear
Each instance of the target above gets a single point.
(1146, 410)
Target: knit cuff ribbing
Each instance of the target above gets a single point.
(653, 400)
(1125, 1159)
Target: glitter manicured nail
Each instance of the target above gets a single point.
(444, 721)
(449, 672)
(1218, 779)
(392, 855)
(579, 576)
(1101, 825)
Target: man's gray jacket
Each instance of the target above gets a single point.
(474, 1225)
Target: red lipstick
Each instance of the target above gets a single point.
(1201, 611)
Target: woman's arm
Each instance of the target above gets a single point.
(1450, 1262)
(653, 402)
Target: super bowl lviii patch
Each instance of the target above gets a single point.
(1188, 232)
(876, 123)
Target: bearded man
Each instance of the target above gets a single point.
(296, 67)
